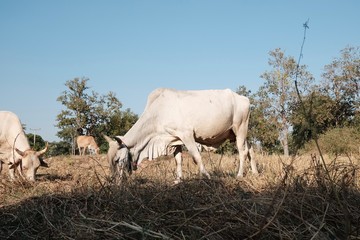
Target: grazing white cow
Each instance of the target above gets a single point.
(88, 142)
(174, 118)
(15, 148)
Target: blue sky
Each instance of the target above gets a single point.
(133, 47)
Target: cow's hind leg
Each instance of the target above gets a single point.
(251, 156)
(241, 134)
(194, 152)
(243, 152)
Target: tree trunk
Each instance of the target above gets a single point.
(285, 133)
(286, 144)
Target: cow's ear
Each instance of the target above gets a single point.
(21, 153)
(108, 139)
(14, 165)
(42, 163)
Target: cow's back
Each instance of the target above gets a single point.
(84, 141)
(11, 132)
(9, 124)
(208, 112)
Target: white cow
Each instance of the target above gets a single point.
(172, 118)
(15, 148)
(88, 142)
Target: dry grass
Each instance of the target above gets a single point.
(290, 199)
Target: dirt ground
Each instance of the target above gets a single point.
(291, 198)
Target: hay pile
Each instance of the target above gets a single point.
(306, 204)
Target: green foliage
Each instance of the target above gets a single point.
(228, 148)
(262, 125)
(59, 148)
(270, 106)
(278, 93)
(341, 82)
(341, 78)
(91, 114)
(338, 141)
(276, 110)
(86, 111)
(39, 142)
(54, 148)
(120, 124)
(318, 116)
(335, 104)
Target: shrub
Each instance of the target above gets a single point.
(338, 141)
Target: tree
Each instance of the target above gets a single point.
(333, 105)
(88, 112)
(243, 91)
(341, 82)
(319, 117)
(59, 148)
(263, 123)
(262, 130)
(278, 93)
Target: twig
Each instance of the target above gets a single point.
(132, 226)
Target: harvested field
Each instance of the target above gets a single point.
(291, 199)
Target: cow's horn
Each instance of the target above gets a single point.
(39, 153)
(14, 165)
(119, 140)
(21, 153)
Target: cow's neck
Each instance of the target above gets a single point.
(21, 142)
(138, 136)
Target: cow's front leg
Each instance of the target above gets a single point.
(194, 152)
(178, 159)
(12, 173)
(251, 156)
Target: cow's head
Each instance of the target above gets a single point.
(93, 150)
(29, 162)
(119, 157)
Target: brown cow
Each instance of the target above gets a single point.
(88, 142)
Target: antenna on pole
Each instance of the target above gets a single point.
(306, 26)
(34, 133)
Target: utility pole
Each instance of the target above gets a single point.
(34, 133)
